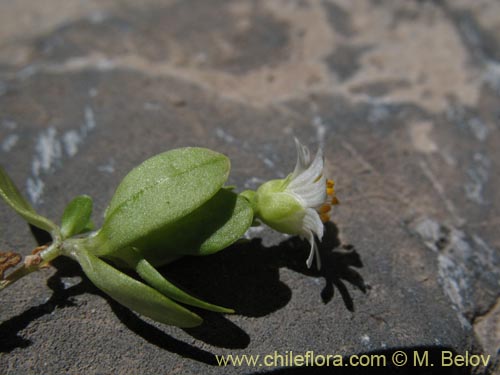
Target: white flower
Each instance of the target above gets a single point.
(300, 203)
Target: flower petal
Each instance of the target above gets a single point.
(314, 251)
(313, 172)
(303, 159)
(312, 223)
(311, 194)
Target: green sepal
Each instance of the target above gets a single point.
(249, 195)
(14, 199)
(76, 216)
(134, 294)
(278, 209)
(149, 274)
(157, 193)
(210, 228)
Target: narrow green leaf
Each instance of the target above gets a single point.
(157, 193)
(210, 228)
(134, 294)
(76, 216)
(158, 282)
(14, 199)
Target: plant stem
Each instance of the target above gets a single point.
(33, 263)
(52, 252)
(17, 274)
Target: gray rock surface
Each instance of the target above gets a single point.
(404, 98)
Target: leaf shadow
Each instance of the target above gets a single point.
(62, 297)
(10, 337)
(244, 276)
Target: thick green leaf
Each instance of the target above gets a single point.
(89, 227)
(210, 228)
(157, 193)
(76, 217)
(134, 294)
(14, 199)
(158, 282)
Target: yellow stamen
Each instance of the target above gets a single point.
(325, 208)
(324, 217)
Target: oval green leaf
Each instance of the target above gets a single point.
(134, 294)
(76, 216)
(14, 199)
(157, 193)
(215, 225)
